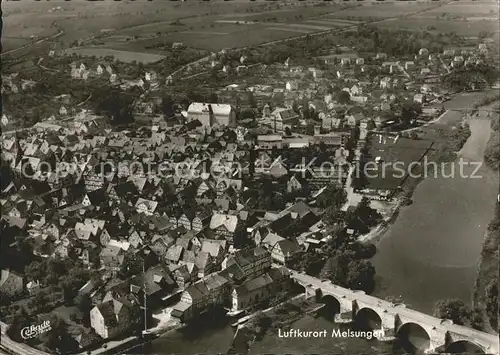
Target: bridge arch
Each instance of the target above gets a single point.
(367, 319)
(332, 306)
(414, 338)
(464, 346)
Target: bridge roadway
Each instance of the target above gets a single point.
(442, 333)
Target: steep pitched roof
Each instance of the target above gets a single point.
(230, 222)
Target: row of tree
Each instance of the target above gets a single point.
(492, 151)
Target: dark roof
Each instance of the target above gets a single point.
(107, 309)
(288, 247)
(126, 190)
(97, 197)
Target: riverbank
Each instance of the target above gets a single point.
(272, 320)
(378, 231)
(487, 273)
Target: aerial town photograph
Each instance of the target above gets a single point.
(249, 177)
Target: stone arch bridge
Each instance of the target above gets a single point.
(393, 318)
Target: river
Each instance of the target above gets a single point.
(217, 339)
(431, 252)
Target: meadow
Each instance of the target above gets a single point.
(122, 56)
(404, 151)
(465, 9)
(383, 10)
(438, 25)
(81, 19)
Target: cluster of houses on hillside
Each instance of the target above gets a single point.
(374, 83)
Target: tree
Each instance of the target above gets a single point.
(492, 151)
(328, 269)
(362, 217)
(84, 304)
(213, 98)
(132, 265)
(116, 104)
(247, 114)
(58, 337)
(71, 282)
(453, 309)
(491, 297)
(167, 107)
(410, 111)
(365, 251)
(20, 320)
(251, 100)
(343, 97)
(140, 69)
(335, 268)
(360, 275)
(41, 299)
(331, 215)
(333, 196)
(311, 263)
(35, 271)
(476, 320)
(57, 267)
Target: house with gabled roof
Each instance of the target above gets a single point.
(174, 254)
(147, 207)
(252, 261)
(225, 226)
(215, 249)
(285, 251)
(111, 318)
(112, 256)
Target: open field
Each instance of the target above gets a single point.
(402, 151)
(383, 10)
(464, 28)
(81, 19)
(9, 43)
(151, 27)
(123, 56)
(196, 23)
(243, 37)
(223, 31)
(460, 9)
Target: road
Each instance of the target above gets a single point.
(60, 33)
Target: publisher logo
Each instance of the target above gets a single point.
(35, 330)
